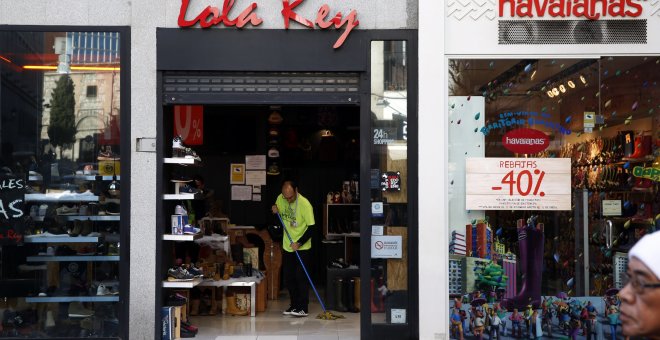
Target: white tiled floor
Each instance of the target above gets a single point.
(272, 325)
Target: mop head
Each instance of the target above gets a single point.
(328, 315)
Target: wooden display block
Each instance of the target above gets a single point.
(262, 300)
(177, 321)
(397, 269)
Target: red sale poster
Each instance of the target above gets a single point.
(189, 123)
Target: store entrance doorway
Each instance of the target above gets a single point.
(245, 153)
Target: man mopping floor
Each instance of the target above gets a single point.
(296, 215)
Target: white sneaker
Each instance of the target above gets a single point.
(180, 210)
(299, 313)
(177, 143)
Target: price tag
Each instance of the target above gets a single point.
(398, 315)
(611, 207)
(518, 184)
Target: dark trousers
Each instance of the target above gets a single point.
(295, 279)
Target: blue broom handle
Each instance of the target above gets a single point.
(302, 264)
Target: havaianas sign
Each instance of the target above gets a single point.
(212, 16)
(589, 9)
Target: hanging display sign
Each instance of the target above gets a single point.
(386, 247)
(212, 16)
(525, 141)
(589, 9)
(390, 181)
(12, 225)
(648, 173)
(189, 123)
(518, 183)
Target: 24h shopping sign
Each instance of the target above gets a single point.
(518, 184)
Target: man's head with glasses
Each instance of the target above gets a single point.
(640, 298)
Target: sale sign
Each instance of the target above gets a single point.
(189, 123)
(518, 183)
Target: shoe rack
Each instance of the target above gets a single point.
(74, 244)
(342, 220)
(180, 196)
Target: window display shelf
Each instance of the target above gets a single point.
(62, 239)
(60, 198)
(100, 298)
(182, 284)
(99, 218)
(170, 237)
(344, 235)
(182, 161)
(182, 196)
(73, 258)
(93, 177)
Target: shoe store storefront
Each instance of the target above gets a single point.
(326, 110)
(63, 231)
(552, 122)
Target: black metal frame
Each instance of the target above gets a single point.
(301, 51)
(125, 162)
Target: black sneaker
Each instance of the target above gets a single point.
(299, 313)
(288, 311)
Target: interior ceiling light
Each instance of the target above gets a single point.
(550, 94)
(5, 59)
(555, 91)
(571, 84)
(73, 68)
(583, 79)
(533, 74)
(562, 88)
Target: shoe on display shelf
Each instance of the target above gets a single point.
(179, 274)
(190, 230)
(180, 178)
(66, 210)
(113, 249)
(188, 189)
(180, 210)
(196, 272)
(273, 170)
(191, 154)
(77, 310)
(111, 208)
(177, 143)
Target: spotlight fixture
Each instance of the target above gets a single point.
(571, 84)
(555, 91)
(562, 88)
(583, 79)
(550, 94)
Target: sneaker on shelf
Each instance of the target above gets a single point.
(86, 251)
(179, 274)
(104, 290)
(83, 210)
(288, 311)
(191, 154)
(42, 210)
(77, 310)
(188, 189)
(66, 210)
(299, 313)
(88, 170)
(106, 154)
(113, 249)
(190, 230)
(180, 210)
(34, 211)
(177, 143)
(184, 333)
(196, 272)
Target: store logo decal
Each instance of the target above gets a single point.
(525, 141)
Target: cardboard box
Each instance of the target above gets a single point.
(109, 168)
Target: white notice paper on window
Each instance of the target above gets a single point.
(256, 162)
(255, 177)
(241, 192)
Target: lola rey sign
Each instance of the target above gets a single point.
(518, 184)
(211, 16)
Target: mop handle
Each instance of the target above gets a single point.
(302, 263)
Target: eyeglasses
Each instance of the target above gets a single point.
(639, 285)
